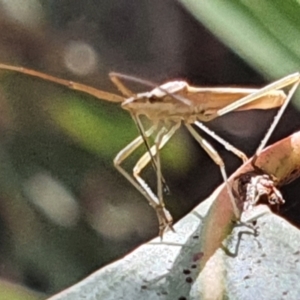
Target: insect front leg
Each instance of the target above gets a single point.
(164, 217)
(125, 153)
(141, 129)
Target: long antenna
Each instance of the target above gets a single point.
(70, 84)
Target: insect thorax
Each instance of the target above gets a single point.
(166, 102)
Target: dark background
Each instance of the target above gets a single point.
(65, 211)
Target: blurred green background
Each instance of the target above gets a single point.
(65, 211)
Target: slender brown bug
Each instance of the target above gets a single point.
(169, 105)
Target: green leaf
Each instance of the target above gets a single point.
(264, 33)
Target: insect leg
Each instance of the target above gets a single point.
(218, 160)
(277, 118)
(160, 141)
(227, 145)
(164, 217)
(153, 161)
(277, 85)
(127, 151)
(290, 80)
(116, 79)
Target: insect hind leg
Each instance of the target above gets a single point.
(277, 117)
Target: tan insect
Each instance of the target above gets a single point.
(170, 105)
